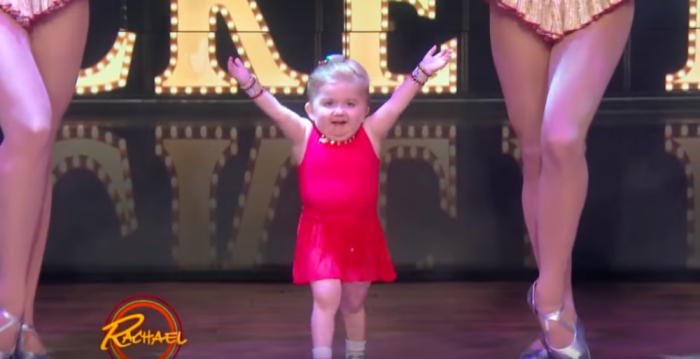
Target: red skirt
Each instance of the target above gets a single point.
(348, 248)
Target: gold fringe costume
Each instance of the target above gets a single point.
(27, 12)
(553, 19)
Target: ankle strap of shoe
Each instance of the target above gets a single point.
(11, 320)
(28, 328)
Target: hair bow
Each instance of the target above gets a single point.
(324, 61)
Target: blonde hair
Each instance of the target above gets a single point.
(336, 68)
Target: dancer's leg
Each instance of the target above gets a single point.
(326, 295)
(25, 118)
(580, 69)
(522, 61)
(352, 305)
(58, 44)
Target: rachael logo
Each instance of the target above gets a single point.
(143, 326)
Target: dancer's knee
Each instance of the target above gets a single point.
(29, 132)
(562, 145)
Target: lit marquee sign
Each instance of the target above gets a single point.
(688, 78)
(365, 41)
(111, 71)
(194, 69)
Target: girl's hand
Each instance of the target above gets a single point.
(434, 62)
(238, 71)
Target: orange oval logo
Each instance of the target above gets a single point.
(126, 329)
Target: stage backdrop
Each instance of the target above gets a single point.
(163, 166)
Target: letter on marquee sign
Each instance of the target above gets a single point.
(193, 67)
(365, 41)
(689, 77)
(111, 71)
(195, 156)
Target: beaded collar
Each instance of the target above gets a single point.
(327, 141)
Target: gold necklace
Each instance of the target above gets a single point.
(327, 141)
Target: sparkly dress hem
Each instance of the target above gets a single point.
(555, 19)
(28, 13)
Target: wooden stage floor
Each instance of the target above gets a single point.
(406, 321)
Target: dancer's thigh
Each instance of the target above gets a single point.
(581, 67)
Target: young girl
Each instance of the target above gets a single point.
(341, 247)
(554, 60)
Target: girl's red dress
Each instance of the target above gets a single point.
(339, 234)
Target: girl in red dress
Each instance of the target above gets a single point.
(42, 44)
(554, 60)
(341, 247)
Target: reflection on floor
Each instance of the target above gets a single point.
(407, 321)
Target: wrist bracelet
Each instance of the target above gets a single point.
(253, 88)
(248, 84)
(420, 75)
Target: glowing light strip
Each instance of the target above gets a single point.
(424, 8)
(230, 86)
(112, 71)
(447, 178)
(124, 207)
(188, 132)
(261, 133)
(282, 175)
(688, 78)
(671, 146)
(214, 189)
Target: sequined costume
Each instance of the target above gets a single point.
(339, 234)
(555, 18)
(26, 12)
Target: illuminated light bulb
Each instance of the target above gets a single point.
(121, 199)
(689, 76)
(675, 136)
(196, 24)
(446, 178)
(206, 132)
(112, 71)
(372, 30)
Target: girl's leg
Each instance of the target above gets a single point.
(58, 44)
(522, 61)
(25, 118)
(580, 68)
(326, 295)
(352, 305)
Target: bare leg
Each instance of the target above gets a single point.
(580, 70)
(58, 44)
(522, 62)
(25, 118)
(327, 295)
(352, 305)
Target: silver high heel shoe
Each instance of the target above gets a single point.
(11, 321)
(25, 354)
(533, 353)
(578, 349)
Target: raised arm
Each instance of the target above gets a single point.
(381, 121)
(292, 125)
